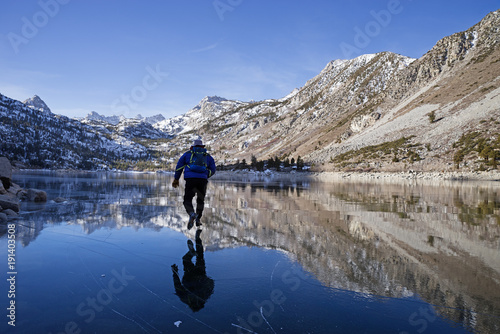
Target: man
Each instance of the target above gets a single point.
(197, 166)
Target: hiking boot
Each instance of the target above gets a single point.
(192, 217)
(198, 222)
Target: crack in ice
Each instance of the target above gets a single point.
(267, 322)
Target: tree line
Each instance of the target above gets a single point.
(275, 163)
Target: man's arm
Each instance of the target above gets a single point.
(211, 166)
(180, 167)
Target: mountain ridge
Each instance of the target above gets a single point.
(114, 119)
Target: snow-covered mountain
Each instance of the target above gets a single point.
(151, 119)
(114, 120)
(96, 117)
(209, 109)
(137, 127)
(37, 103)
(43, 139)
(380, 111)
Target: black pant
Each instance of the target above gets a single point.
(196, 187)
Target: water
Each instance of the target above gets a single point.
(273, 257)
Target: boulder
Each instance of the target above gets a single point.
(5, 172)
(9, 202)
(10, 213)
(60, 200)
(11, 193)
(36, 195)
(16, 190)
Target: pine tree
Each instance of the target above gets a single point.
(300, 163)
(253, 162)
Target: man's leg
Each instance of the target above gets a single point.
(189, 193)
(201, 190)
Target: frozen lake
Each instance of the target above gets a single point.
(272, 257)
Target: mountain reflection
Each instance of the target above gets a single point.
(440, 242)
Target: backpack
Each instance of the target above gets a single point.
(198, 161)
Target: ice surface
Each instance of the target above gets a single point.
(284, 256)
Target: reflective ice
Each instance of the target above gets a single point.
(274, 256)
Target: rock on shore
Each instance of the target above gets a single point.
(11, 194)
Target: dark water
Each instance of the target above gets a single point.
(272, 257)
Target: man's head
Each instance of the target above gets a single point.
(198, 143)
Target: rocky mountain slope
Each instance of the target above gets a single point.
(33, 137)
(382, 112)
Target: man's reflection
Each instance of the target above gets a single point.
(196, 287)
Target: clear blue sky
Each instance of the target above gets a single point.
(161, 56)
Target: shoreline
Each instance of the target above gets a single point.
(490, 176)
(414, 175)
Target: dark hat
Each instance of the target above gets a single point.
(198, 142)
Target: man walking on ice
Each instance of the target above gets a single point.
(198, 166)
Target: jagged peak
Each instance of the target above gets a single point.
(37, 103)
(208, 101)
(213, 99)
(93, 114)
(365, 59)
(114, 120)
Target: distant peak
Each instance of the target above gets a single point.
(114, 119)
(37, 103)
(213, 99)
(209, 100)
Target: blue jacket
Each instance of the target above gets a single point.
(182, 165)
